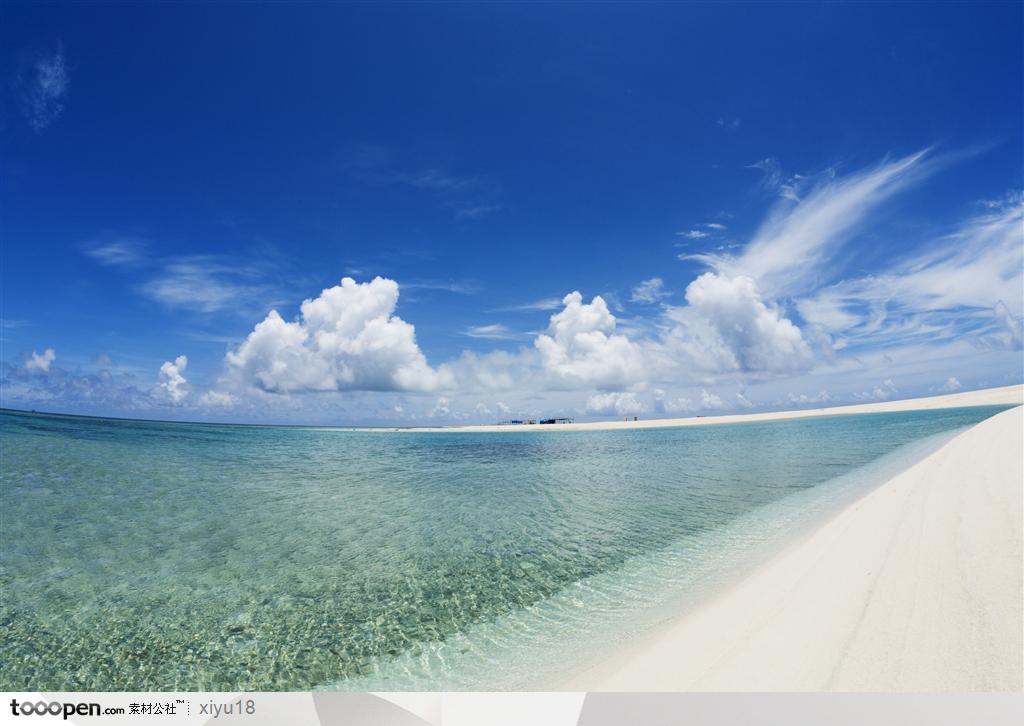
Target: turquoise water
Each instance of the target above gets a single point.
(149, 556)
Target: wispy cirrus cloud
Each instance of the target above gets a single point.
(494, 331)
(710, 231)
(469, 196)
(459, 287)
(786, 305)
(201, 283)
(800, 235)
(968, 281)
(545, 303)
(204, 284)
(775, 181)
(119, 252)
(43, 82)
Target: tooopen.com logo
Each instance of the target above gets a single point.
(56, 708)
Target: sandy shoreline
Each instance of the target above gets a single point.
(915, 587)
(1010, 395)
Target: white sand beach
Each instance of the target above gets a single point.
(986, 397)
(917, 586)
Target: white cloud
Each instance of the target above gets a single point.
(171, 383)
(621, 404)
(477, 211)
(471, 197)
(435, 180)
(119, 252)
(458, 287)
(790, 250)
(44, 89)
(710, 400)
(547, 303)
(1009, 333)
(779, 307)
(201, 283)
(581, 346)
(694, 234)
(882, 392)
(442, 408)
(964, 284)
(348, 338)
(494, 331)
(664, 404)
(804, 399)
(217, 399)
(649, 291)
(41, 363)
(951, 385)
(740, 331)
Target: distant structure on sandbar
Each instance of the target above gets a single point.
(532, 421)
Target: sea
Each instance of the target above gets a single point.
(140, 555)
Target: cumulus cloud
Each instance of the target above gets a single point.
(217, 399)
(778, 307)
(442, 408)
(44, 86)
(664, 404)
(171, 383)
(951, 385)
(743, 333)
(582, 347)
(41, 363)
(347, 338)
(710, 400)
(74, 392)
(804, 399)
(882, 392)
(621, 404)
(649, 291)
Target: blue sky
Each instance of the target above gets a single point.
(759, 205)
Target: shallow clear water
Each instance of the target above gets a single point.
(148, 556)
